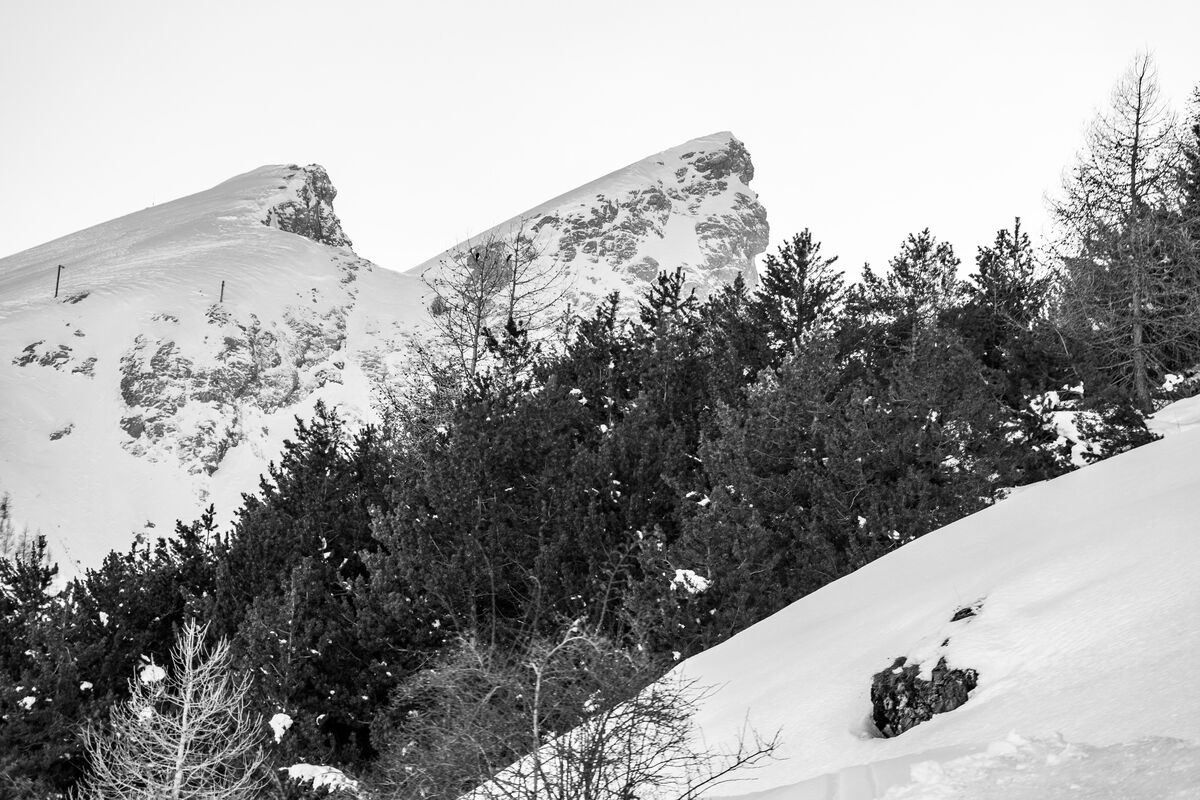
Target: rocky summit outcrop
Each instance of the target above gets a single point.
(308, 211)
(689, 207)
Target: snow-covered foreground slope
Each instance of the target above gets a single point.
(138, 396)
(690, 206)
(1086, 630)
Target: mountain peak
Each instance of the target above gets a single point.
(305, 206)
(689, 207)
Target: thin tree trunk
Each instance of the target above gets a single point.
(185, 714)
(1141, 380)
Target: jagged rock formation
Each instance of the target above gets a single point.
(308, 210)
(901, 699)
(689, 207)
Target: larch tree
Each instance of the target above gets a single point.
(501, 281)
(1130, 294)
(187, 733)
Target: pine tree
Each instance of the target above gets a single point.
(1003, 319)
(317, 502)
(799, 289)
(921, 283)
(886, 314)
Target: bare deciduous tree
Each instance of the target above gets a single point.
(569, 719)
(484, 285)
(186, 733)
(1131, 291)
(623, 749)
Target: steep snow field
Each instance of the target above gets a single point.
(1084, 641)
(300, 321)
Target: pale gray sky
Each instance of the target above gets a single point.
(866, 120)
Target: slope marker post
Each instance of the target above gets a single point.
(57, 278)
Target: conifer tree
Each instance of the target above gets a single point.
(1003, 319)
(921, 283)
(799, 289)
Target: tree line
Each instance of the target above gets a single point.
(644, 483)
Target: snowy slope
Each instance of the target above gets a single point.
(690, 206)
(137, 397)
(1086, 631)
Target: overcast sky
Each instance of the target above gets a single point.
(865, 120)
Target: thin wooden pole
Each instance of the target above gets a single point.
(222, 300)
(57, 278)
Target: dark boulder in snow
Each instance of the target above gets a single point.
(310, 212)
(902, 699)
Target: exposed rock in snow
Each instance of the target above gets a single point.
(901, 699)
(690, 206)
(307, 209)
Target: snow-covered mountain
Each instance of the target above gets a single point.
(1082, 595)
(186, 337)
(690, 206)
(139, 395)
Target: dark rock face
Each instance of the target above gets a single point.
(254, 368)
(57, 357)
(901, 699)
(730, 236)
(733, 160)
(311, 213)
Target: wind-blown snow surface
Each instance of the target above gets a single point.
(1086, 631)
(137, 397)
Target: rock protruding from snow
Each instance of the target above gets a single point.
(309, 209)
(901, 699)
